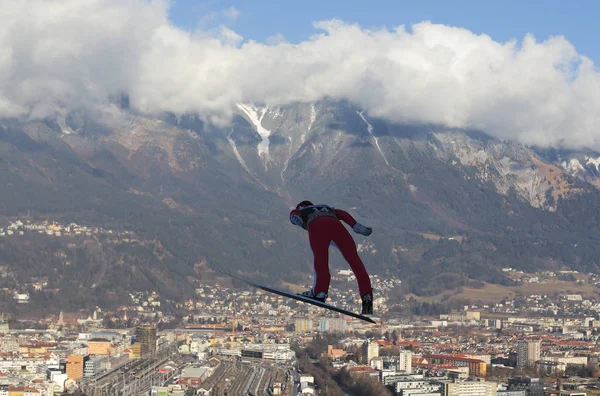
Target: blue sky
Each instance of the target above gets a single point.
(502, 20)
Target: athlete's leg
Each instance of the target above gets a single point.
(347, 247)
(319, 238)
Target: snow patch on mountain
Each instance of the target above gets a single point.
(285, 164)
(593, 161)
(65, 129)
(256, 115)
(313, 117)
(573, 166)
(370, 130)
(242, 162)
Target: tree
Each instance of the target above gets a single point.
(369, 387)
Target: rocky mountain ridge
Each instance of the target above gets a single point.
(449, 207)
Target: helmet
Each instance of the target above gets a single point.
(304, 204)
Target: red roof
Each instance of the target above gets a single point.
(362, 368)
(409, 342)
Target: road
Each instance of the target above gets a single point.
(295, 382)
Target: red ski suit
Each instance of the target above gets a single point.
(324, 227)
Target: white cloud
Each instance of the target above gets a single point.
(232, 13)
(63, 54)
(276, 39)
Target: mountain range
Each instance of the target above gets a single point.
(449, 207)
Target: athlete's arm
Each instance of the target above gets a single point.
(356, 226)
(345, 217)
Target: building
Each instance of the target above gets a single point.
(99, 346)
(469, 388)
(108, 335)
(117, 361)
(493, 323)
(38, 348)
(486, 357)
(377, 364)
(405, 361)
(370, 350)
(139, 350)
(476, 367)
(21, 391)
(307, 379)
(58, 378)
(409, 387)
(562, 362)
(473, 315)
(75, 365)
(303, 325)
(146, 335)
(357, 372)
(94, 366)
(333, 353)
(332, 325)
(16, 391)
(528, 352)
(277, 352)
(532, 386)
(307, 385)
(202, 372)
(167, 390)
(9, 344)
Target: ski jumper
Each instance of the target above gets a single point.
(324, 228)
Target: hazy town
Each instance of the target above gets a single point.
(249, 342)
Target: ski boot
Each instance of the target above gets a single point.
(367, 304)
(320, 296)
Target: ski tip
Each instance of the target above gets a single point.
(368, 319)
(223, 272)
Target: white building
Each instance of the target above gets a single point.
(411, 387)
(94, 366)
(309, 390)
(22, 298)
(307, 379)
(405, 362)
(277, 352)
(58, 379)
(469, 388)
(377, 363)
(9, 344)
(370, 350)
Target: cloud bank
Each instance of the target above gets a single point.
(61, 55)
